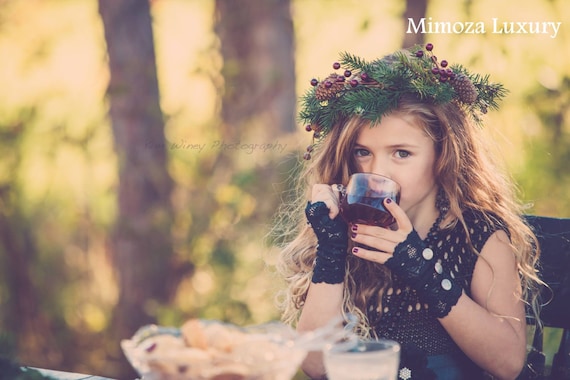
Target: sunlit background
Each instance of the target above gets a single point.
(58, 166)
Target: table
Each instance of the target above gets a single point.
(60, 375)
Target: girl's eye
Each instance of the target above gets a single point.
(402, 153)
(359, 152)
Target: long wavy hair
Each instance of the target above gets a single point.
(465, 169)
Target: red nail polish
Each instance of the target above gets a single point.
(354, 227)
(355, 250)
(388, 200)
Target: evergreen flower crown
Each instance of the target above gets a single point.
(372, 89)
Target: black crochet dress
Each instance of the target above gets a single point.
(405, 319)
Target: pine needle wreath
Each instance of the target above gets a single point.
(372, 89)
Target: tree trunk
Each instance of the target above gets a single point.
(141, 245)
(257, 47)
(415, 9)
(27, 323)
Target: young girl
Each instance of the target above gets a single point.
(449, 280)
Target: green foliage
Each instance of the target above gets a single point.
(10, 369)
(58, 171)
(549, 155)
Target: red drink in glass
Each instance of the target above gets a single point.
(363, 201)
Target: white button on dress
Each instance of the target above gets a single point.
(427, 254)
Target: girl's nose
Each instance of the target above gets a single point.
(379, 167)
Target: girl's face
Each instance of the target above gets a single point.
(399, 149)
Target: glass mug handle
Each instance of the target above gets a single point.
(341, 191)
(341, 195)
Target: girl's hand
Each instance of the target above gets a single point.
(383, 239)
(330, 195)
(405, 254)
(331, 232)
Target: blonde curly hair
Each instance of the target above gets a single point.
(464, 169)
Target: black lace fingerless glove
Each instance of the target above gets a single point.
(413, 261)
(332, 237)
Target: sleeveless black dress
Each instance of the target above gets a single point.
(428, 352)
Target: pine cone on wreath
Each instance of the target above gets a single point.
(328, 88)
(465, 89)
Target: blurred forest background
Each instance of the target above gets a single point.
(146, 145)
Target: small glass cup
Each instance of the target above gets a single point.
(362, 201)
(365, 360)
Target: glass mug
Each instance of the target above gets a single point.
(365, 360)
(362, 200)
